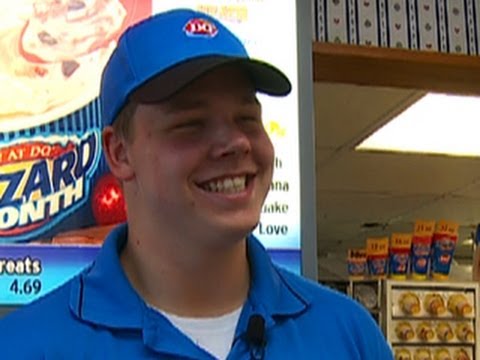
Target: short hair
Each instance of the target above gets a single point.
(122, 124)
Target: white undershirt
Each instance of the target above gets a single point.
(214, 334)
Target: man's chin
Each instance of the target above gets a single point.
(237, 229)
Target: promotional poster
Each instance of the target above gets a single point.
(58, 200)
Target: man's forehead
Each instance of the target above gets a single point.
(186, 102)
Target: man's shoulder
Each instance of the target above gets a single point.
(326, 302)
(45, 316)
(315, 292)
(338, 319)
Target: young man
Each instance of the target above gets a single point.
(184, 279)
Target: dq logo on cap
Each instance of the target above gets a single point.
(200, 27)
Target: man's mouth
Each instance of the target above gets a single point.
(227, 185)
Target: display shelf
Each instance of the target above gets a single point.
(369, 294)
(423, 317)
(375, 66)
(431, 317)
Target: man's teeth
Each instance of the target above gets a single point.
(227, 186)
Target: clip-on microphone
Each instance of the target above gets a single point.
(256, 336)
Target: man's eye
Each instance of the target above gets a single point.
(192, 124)
(252, 119)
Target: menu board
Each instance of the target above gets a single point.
(57, 198)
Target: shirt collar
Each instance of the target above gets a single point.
(271, 295)
(103, 295)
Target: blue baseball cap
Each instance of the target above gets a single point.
(157, 57)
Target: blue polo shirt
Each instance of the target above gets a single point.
(98, 315)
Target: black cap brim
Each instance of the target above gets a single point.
(266, 78)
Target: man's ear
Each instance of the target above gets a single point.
(115, 149)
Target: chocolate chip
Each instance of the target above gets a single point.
(75, 5)
(46, 38)
(69, 67)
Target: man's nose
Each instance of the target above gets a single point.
(230, 139)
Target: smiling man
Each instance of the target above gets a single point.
(184, 278)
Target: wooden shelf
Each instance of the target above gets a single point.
(376, 66)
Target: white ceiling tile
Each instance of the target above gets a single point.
(392, 190)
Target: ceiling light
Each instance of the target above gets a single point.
(435, 124)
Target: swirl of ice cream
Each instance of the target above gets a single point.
(70, 40)
(60, 30)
